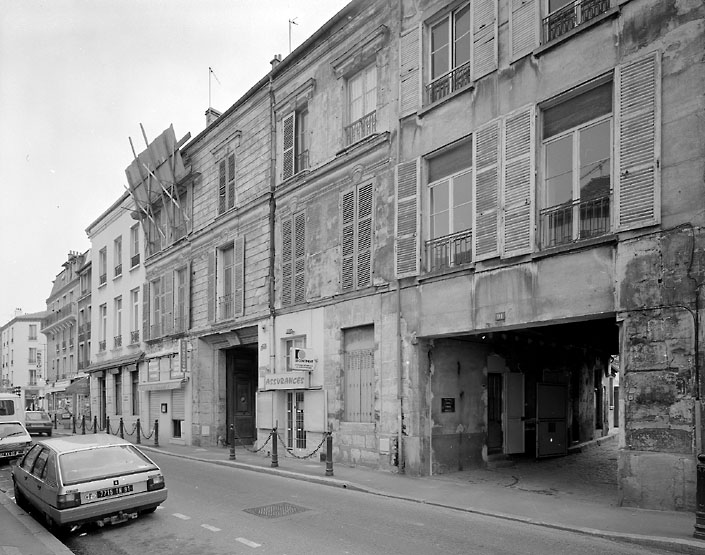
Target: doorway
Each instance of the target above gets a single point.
(495, 437)
(241, 385)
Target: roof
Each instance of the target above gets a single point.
(67, 444)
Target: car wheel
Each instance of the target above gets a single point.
(53, 527)
(20, 499)
(148, 511)
(49, 433)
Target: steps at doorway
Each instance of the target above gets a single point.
(499, 460)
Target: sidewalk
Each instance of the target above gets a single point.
(575, 493)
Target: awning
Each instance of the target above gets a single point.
(79, 387)
(162, 386)
(115, 362)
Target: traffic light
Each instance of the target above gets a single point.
(17, 390)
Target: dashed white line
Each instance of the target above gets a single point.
(248, 542)
(182, 517)
(209, 527)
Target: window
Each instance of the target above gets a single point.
(134, 245)
(180, 217)
(577, 144)
(102, 266)
(117, 256)
(118, 393)
(135, 392)
(225, 283)
(32, 355)
(564, 15)
(294, 259)
(32, 332)
(449, 50)
(181, 300)
(118, 323)
(288, 344)
(103, 327)
(450, 208)
(295, 132)
(134, 316)
(226, 183)
(155, 231)
(295, 431)
(362, 105)
(358, 368)
(156, 302)
(357, 230)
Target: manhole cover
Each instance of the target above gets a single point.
(276, 510)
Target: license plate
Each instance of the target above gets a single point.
(11, 453)
(110, 492)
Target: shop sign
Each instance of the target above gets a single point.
(287, 380)
(302, 359)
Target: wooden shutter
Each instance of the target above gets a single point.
(409, 78)
(523, 27)
(300, 257)
(210, 289)
(231, 180)
(145, 311)
(364, 235)
(518, 182)
(485, 150)
(168, 303)
(288, 136)
(287, 261)
(348, 240)
(638, 143)
(239, 277)
(221, 187)
(406, 247)
(484, 37)
(187, 297)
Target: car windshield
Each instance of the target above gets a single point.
(102, 462)
(36, 416)
(10, 429)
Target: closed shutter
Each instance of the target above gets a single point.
(154, 410)
(145, 311)
(210, 289)
(300, 257)
(178, 404)
(409, 78)
(406, 249)
(364, 235)
(287, 261)
(518, 182)
(187, 297)
(168, 303)
(221, 187)
(486, 187)
(288, 135)
(484, 37)
(524, 27)
(239, 277)
(231, 181)
(638, 140)
(348, 240)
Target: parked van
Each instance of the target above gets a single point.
(11, 408)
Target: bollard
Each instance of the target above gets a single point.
(55, 422)
(95, 424)
(232, 442)
(121, 429)
(73, 423)
(139, 431)
(275, 457)
(107, 424)
(329, 454)
(83, 424)
(156, 433)
(700, 499)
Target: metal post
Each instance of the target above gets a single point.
(107, 424)
(329, 454)
(700, 499)
(83, 424)
(232, 442)
(95, 424)
(55, 423)
(73, 423)
(121, 429)
(139, 431)
(156, 433)
(275, 457)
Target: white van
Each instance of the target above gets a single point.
(11, 408)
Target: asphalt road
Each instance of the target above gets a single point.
(214, 510)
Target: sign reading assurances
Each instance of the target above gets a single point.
(287, 380)
(302, 359)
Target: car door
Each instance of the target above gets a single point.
(24, 479)
(44, 473)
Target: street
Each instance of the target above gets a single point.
(213, 510)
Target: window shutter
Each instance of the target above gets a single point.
(364, 235)
(211, 287)
(168, 304)
(178, 402)
(300, 257)
(231, 181)
(187, 298)
(287, 262)
(484, 37)
(518, 182)
(221, 187)
(239, 277)
(145, 311)
(409, 83)
(486, 190)
(348, 240)
(524, 27)
(638, 140)
(288, 135)
(406, 229)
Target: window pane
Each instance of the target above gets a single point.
(595, 146)
(559, 171)
(462, 202)
(556, 4)
(355, 91)
(370, 90)
(440, 215)
(439, 49)
(462, 36)
(578, 110)
(450, 162)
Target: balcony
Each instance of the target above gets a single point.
(117, 341)
(103, 279)
(458, 78)
(358, 130)
(101, 346)
(118, 270)
(225, 307)
(571, 16)
(134, 337)
(557, 222)
(61, 318)
(134, 260)
(449, 251)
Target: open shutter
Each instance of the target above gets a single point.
(364, 235)
(409, 62)
(288, 135)
(348, 240)
(239, 277)
(222, 178)
(406, 247)
(287, 261)
(187, 297)
(638, 142)
(300, 257)
(211, 287)
(168, 304)
(484, 37)
(145, 311)
(231, 180)
(523, 27)
(518, 182)
(485, 150)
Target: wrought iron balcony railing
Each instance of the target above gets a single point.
(453, 81)
(134, 337)
(571, 16)
(101, 345)
(117, 341)
(118, 270)
(225, 307)
(134, 260)
(103, 279)
(557, 223)
(449, 251)
(358, 130)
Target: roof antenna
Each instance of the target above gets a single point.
(291, 22)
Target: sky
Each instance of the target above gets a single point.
(78, 77)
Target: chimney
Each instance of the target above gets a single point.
(276, 60)
(211, 115)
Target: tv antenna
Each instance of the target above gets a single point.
(291, 22)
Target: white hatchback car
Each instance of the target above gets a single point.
(74, 480)
(14, 440)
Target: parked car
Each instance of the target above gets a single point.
(14, 440)
(38, 422)
(73, 480)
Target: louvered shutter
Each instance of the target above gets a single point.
(406, 251)
(484, 37)
(288, 135)
(231, 181)
(168, 304)
(187, 297)
(287, 261)
(300, 257)
(145, 311)
(239, 277)
(518, 182)
(221, 187)
(524, 27)
(638, 142)
(364, 235)
(210, 289)
(409, 78)
(348, 240)
(486, 189)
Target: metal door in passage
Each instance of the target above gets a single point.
(551, 419)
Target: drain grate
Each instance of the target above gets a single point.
(276, 510)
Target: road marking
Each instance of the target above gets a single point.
(209, 527)
(182, 517)
(248, 542)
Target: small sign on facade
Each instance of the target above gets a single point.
(302, 359)
(287, 380)
(447, 404)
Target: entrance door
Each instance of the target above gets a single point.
(495, 439)
(551, 420)
(241, 384)
(514, 413)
